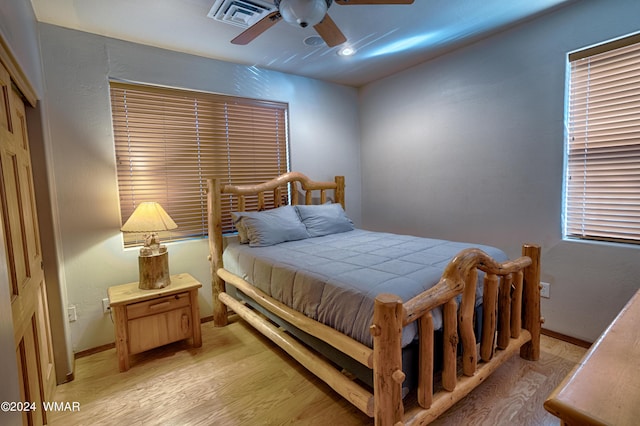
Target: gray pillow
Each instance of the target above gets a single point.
(236, 217)
(324, 219)
(270, 227)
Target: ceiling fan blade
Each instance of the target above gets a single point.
(258, 28)
(354, 2)
(330, 32)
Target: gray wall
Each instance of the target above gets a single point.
(469, 146)
(19, 29)
(324, 141)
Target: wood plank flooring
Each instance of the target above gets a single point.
(238, 377)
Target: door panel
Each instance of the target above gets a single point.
(18, 217)
(45, 342)
(5, 96)
(33, 391)
(14, 226)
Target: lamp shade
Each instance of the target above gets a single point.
(149, 217)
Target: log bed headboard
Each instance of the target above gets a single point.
(276, 186)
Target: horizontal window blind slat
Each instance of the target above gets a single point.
(169, 141)
(602, 190)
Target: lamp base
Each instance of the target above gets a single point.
(154, 271)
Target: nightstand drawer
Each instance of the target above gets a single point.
(156, 306)
(157, 330)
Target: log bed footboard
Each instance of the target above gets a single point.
(511, 323)
(501, 335)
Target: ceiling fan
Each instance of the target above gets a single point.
(305, 13)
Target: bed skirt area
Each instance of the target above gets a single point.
(349, 366)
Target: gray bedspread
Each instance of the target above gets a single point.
(334, 279)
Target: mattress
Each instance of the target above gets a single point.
(334, 279)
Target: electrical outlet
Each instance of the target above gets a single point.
(71, 313)
(106, 308)
(544, 290)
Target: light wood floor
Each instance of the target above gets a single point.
(238, 377)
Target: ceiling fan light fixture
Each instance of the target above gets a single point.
(303, 13)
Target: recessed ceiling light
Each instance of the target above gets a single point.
(347, 51)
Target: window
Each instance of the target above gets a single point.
(602, 182)
(168, 142)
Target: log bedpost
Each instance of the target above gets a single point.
(465, 324)
(425, 379)
(294, 193)
(516, 305)
(339, 192)
(532, 320)
(450, 341)
(489, 317)
(504, 311)
(387, 359)
(215, 250)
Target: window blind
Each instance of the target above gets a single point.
(169, 141)
(602, 190)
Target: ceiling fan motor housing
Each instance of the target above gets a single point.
(303, 13)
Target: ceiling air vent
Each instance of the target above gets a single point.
(242, 13)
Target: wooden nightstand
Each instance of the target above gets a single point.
(146, 319)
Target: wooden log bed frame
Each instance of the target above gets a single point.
(511, 322)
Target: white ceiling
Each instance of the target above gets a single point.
(388, 38)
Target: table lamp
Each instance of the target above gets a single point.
(153, 262)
